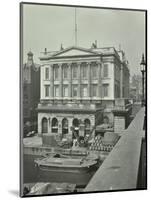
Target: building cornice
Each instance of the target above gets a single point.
(64, 57)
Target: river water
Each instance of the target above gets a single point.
(32, 174)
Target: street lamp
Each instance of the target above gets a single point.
(142, 64)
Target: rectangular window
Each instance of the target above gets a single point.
(105, 90)
(56, 72)
(65, 72)
(74, 91)
(84, 72)
(47, 73)
(94, 90)
(65, 91)
(94, 71)
(47, 89)
(84, 91)
(56, 91)
(74, 72)
(105, 71)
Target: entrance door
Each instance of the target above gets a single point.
(64, 126)
(44, 125)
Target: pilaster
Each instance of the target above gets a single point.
(69, 128)
(99, 92)
(60, 127)
(89, 79)
(51, 82)
(60, 81)
(79, 80)
(70, 80)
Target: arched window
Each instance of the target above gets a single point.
(87, 124)
(75, 122)
(44, 125)
(64, 126)
(54, 125)
(105, 120)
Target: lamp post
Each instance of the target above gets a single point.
(142, 64)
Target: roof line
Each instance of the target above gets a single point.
(74, 47)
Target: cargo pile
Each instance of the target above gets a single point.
(105, 143)
(97, 145)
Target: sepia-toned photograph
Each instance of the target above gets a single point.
(82, 99)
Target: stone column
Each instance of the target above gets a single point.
(51, 82)
(89, 79)
(99, 93)
(49, 124)
(81, 128)
(60, 80)
(79, 80)
(121, 82)
(70, 80)
(60, 127)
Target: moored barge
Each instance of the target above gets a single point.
(66, 164)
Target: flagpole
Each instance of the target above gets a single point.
(75, 27)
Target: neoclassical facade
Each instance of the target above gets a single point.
(79, 87)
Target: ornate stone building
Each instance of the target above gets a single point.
(79, 87)
(136, 88)
(31, 94)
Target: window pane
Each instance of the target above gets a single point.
(74, 71)
(94, 90)
(94, 71)
(84, 71)
(75, 91)
(56, 72)
(105, 70)
(47, 73)
(65, 72)
(65, 91)
(105, 90)
(84, 91)
(47, 90)
(56, 91)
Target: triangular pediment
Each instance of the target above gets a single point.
(74, 51)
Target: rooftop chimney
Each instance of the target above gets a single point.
(61, 48)
(95, 43)
(45, 52)
(30, 58)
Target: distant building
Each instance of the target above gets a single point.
(31, 93)
(136, 88)
(79, 87)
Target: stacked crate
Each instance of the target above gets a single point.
(98, 145)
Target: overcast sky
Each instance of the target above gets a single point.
(49, 26)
